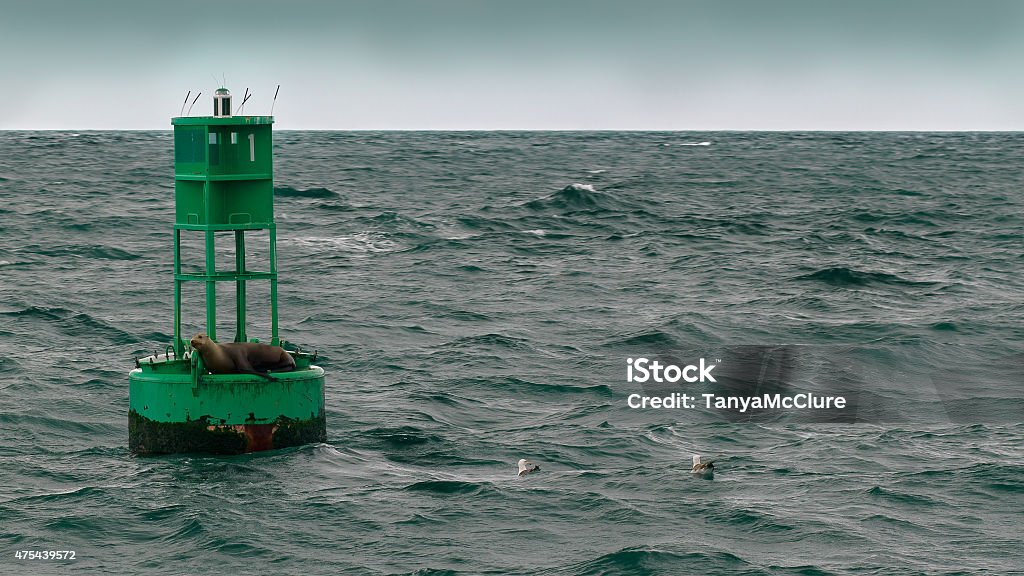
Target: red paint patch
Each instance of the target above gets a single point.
(260, 436)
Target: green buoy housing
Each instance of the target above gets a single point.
(224, 185)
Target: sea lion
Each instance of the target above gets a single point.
(242, 357)
(705, 470)
(526, 467)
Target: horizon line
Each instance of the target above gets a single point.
(677, 130)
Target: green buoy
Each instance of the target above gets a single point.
(224, 185)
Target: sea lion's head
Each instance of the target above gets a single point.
(200, 341)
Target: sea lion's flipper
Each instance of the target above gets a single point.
(286, 363)
(244, 366)
(280, 366)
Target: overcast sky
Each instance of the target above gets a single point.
(520, 64)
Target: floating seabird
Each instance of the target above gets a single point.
(705, 470)
(525, 467)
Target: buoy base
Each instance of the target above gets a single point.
(173, 409)
(147, 436)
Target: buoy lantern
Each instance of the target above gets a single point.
(221, 103)
(223, 185)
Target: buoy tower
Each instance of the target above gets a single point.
(223, 186)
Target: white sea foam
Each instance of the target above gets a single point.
(460, 236)
(599, 171)
(585, 187)
(537, 232)
(359, 243)
(694, 144)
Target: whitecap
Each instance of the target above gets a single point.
(462, 236)
(581, 187)
(694, 144)
(537, 232)
(359, 243)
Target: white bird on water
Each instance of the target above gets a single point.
(526, 467)
(704, 470)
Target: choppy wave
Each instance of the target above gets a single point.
(474, 298)
(69, 322)
(358, 243)
(86, 251)
(448, 487)
(289, 192)
(575, 197)
(649, 560)
(843, 276)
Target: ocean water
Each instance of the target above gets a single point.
(474, 298)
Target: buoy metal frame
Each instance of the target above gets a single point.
(223, 184)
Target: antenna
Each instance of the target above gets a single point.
(215, 80)
(185, 102)
(275, 99)
(193, 103)
(244, 100)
